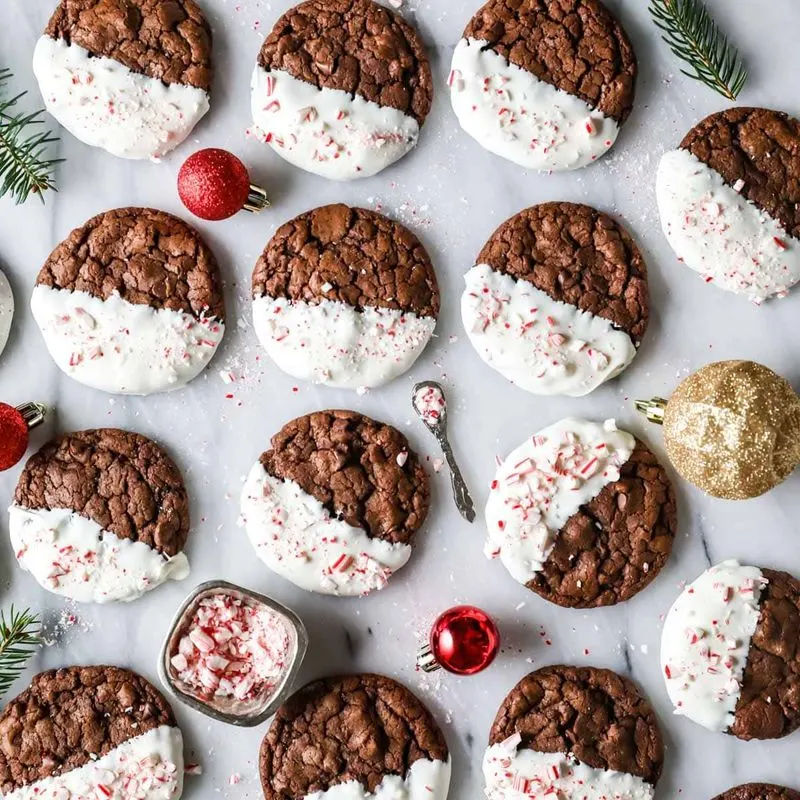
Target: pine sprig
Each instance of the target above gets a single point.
(694, 37)
(25, 168)
(19, 638)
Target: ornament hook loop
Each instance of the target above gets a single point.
(653, 409)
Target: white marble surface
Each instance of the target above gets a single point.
(452, 194)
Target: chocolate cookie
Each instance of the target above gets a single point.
(131, 302)
(100, 516)
(728, 199)
(573, 732)
(90, 732)
(557, 302)
(759, 791)
(132, 76)
(364, 730)
(729, 651)
(582, 514)
(6, 310)
(345, 297)
(335, 504)
(341, 88)
(543, 83)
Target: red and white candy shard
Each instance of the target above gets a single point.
(336, 344)
(105, 104)
(544, 482)
(6, 310)
(512, 772)
(719, 233)
(146, 767)
(706, 641)
(123, 347)
(513, 114)
(425, 780)
(540, 344)
(234, 652)
(72, 556)
(328, 131)
(295, 536)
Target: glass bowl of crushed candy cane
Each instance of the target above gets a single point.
(232, 654)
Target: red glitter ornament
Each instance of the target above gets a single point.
(15, 424)
(213, 184)
(464, 640)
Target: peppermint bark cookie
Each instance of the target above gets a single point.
(341, 88)
(575, 733)
(543, 83)
(729, 651)
(582, 514)
(6, 310)
(355, 738)
(132, 77)
(759, 791)
(728, 199)
(557, 302)
(100, 516)
(335, 505)
(131, 302)
(84, 732)
(344, 297)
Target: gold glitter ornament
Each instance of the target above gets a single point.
(732, 428)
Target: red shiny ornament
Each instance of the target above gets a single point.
(464, 640)
(14, 434)
(214, 184)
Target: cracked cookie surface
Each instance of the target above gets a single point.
(356, 728)
(595, 714)
(769, 704)
(146, 256)
(759, 147)
(617, 543)
(575, 45)
(121, 480)
(351, 255)
(68, 717)
(349, 463)
(759, 791)
(576, 255)
(356, 46)
(169, 40)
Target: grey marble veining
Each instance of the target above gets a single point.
(453, 195)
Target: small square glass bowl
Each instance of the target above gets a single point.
(252, 712)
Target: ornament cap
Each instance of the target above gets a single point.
(32, 413)
(426, 661)
(257, 200)
(653, 409)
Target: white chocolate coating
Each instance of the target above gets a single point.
(327, 131)
(335, 344)
(72, 556)
(720, 234)
(542, 483)
(105, 104)
(513, 114)
(522, 774)
(122, 347)
(147, 767)
(542, 345)
(6, 310)
(295, 536)
(705, 642)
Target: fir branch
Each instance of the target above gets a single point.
(694, 37)
(25, 168)
(19, 638)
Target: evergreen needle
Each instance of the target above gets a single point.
(25, 168)
(19, 638)
(694, 37)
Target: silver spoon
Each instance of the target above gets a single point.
(437, 425)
